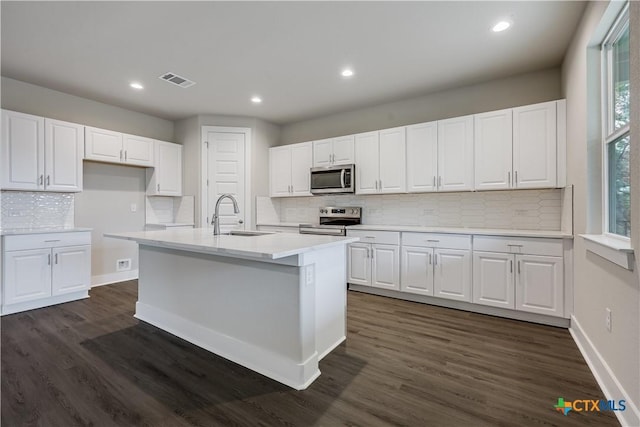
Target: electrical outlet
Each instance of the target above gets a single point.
(608, 318)
(310, 272)
(123, 264)
(134, 207)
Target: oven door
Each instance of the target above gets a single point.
(334, 179)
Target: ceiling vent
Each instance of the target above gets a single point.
(177, 80)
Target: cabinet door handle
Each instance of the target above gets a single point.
(381, 184)
(368, 253)
(120, 155)
(372, 252)
(41, 179)
(125, 155)
(56, 261)
(510, 266)
(509, 178)
(49, 259)
(435, 259)
(158, 187)
(434, 181)
(430, 258)
(48, 180)
(439, 181)
(518, 266)
(515, 180)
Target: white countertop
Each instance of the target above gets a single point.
(270, 246)
(463, 230)
(171, 224)
(18, 231)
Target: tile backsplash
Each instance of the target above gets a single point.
(163, 210)
(35, 210)
(519, 209)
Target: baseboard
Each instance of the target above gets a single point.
(44, 302)
(605, 377)
(119, 276)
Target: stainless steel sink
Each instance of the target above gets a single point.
(248, 233)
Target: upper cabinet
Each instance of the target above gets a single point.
(534, 145)
(380, 161)
(289, 170)
(440, 155)
(114, 147)
(41, 154)
(334, 151)
(517, 148)
(165, 179)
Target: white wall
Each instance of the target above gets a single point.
(524, 89)
(109, 190)
(264, 134)
(598, 283)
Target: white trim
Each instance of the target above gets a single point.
(605, 377)
(247, 172)
(119, 276)
(44, 302)
(613, 249)
(265, 362)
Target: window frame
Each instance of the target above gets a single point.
(609, 134)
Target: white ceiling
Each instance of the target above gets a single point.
(290, 53)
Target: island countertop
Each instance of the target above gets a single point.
(269, 246)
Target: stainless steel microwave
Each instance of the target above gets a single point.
(333, 179)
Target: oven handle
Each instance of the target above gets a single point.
(342, 172)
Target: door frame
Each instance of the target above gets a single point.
(204, 198)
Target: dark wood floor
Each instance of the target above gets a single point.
(90, 363)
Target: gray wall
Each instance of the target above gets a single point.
(109, 190)
(264, 134)
(493, 95)
(599, 283)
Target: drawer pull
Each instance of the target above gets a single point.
(431, 240)
(51, 241)
(369, 237)
(519, 246)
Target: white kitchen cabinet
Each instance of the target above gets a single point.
(539, 284)
(165, 179)
(41, 154)
(44, 269)
(525, 274)
(493, 141)
(289, 168)
(334, 151)
(535, 145)
(381, 161)
(375, 261)
(436, 264)
(455, 154)
(114, 147)
(422, 157)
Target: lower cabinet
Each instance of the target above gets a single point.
(435, 270)
(520, 281)
(40, 269)
(375, 264)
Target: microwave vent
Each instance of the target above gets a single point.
(177, 80)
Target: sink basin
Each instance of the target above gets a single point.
(247, 233)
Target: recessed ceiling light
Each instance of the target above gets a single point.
(256, 99)
(347, 72)
(136, 85)
(501, 26)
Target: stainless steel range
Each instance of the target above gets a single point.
(333, 221)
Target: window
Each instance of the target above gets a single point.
(617, 200)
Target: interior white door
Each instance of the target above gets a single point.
(63, 148)
(493, 279)
(539, 284)
(417, 270)
(385, 264)
(27, 275)
(226, 175)
(393, 160)
(359, 263)
(367, 162)
(422, 157)
(493, 141)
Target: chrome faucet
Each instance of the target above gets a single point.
(215, 220)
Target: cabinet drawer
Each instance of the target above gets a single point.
(383, 237)
(46, 240)
(518, 245)
(430, 240)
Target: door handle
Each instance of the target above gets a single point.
(439, 181)
(158, 187)
(372, 252)
(429, 259)
(435, 259)
(342, 172)
(381, 184)
(120, 155)
(434, 181)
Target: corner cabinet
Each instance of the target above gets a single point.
(165, 179)
(289, 170)
(381, 161)
(41, 154)
(45, 269)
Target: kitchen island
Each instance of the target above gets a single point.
(274, 303)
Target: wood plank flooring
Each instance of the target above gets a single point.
(90, 363)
